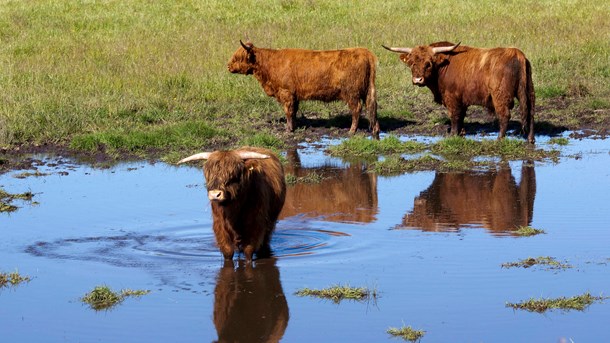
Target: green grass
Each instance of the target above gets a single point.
(12, 279)
(579, 303)
(526, 231)
(361, 146)
(559, 141)
(103, 298)
(407, 333)
(337, 293)
(545, 261)
(118, 74)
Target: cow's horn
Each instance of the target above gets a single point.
(440, 49)
(401, 50)
(244, 155)
(248, 48)
(196, 157)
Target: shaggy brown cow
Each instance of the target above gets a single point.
(492, 199)
(460, 76)
(246, 188)
(249, 303)
(292, 75)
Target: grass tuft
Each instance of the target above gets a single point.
(337, 293)
(6, 200)
(407, 333)
(360, 146)
(312, 177)
(12, 279)
(547, 261)
(579, 303)
(526, 231)
(559, 141)
(102, 297)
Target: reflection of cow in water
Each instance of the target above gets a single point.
(491, 199)
(249, 303)
(342, 195)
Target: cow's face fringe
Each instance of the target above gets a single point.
(225, 171)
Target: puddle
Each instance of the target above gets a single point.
(431, 244)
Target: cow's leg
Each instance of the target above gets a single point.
(355, 107)
(291, 106)
(503, 112)
(224, 239)
(456, 115)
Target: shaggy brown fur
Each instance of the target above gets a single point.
(492, 199)
(246, 198)
(293, 75)
(466, 76)
(249, 303)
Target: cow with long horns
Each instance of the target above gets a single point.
(460, 76)
(246, 189)
(294, 75)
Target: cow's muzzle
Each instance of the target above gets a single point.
(216, 195)
(418, 81)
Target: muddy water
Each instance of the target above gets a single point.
(430, 243)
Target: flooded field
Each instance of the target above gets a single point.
(430, 244)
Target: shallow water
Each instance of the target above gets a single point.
(430, 243)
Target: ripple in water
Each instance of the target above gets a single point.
(181, 244)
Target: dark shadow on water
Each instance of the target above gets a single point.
(338, 194)
(491, 199)
(249, 302)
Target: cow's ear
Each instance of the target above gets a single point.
(405, 58)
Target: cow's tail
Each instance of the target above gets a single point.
(527, 99)
(371, 98)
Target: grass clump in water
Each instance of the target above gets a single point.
(406, 333)
(527, 231)
(579, 303)
(559, 141)
(507, 148)
(6, 200)
(12, 279)
(396, 165)
(312, 177)
(102, 297)
(360, 146)
(547, 261)
(337, 293)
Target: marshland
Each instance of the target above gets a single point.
(101, 98)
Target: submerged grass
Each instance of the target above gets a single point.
(102, 297)
(579, 303)
(406, 333)
(527, 231)
(337, 293)
(546, 261)
(12, 279)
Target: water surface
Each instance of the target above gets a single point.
(430, 243)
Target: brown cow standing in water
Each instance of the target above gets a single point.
(249, 303)
(246, 188)
(460, 76)
(293, 75)
(492, 199)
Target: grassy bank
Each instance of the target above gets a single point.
(105, 74)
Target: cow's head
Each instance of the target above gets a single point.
(243, 60)
(424, 59)
(226, 172)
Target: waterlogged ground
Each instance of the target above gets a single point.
(431, 244)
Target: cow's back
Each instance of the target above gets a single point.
(325, 75)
